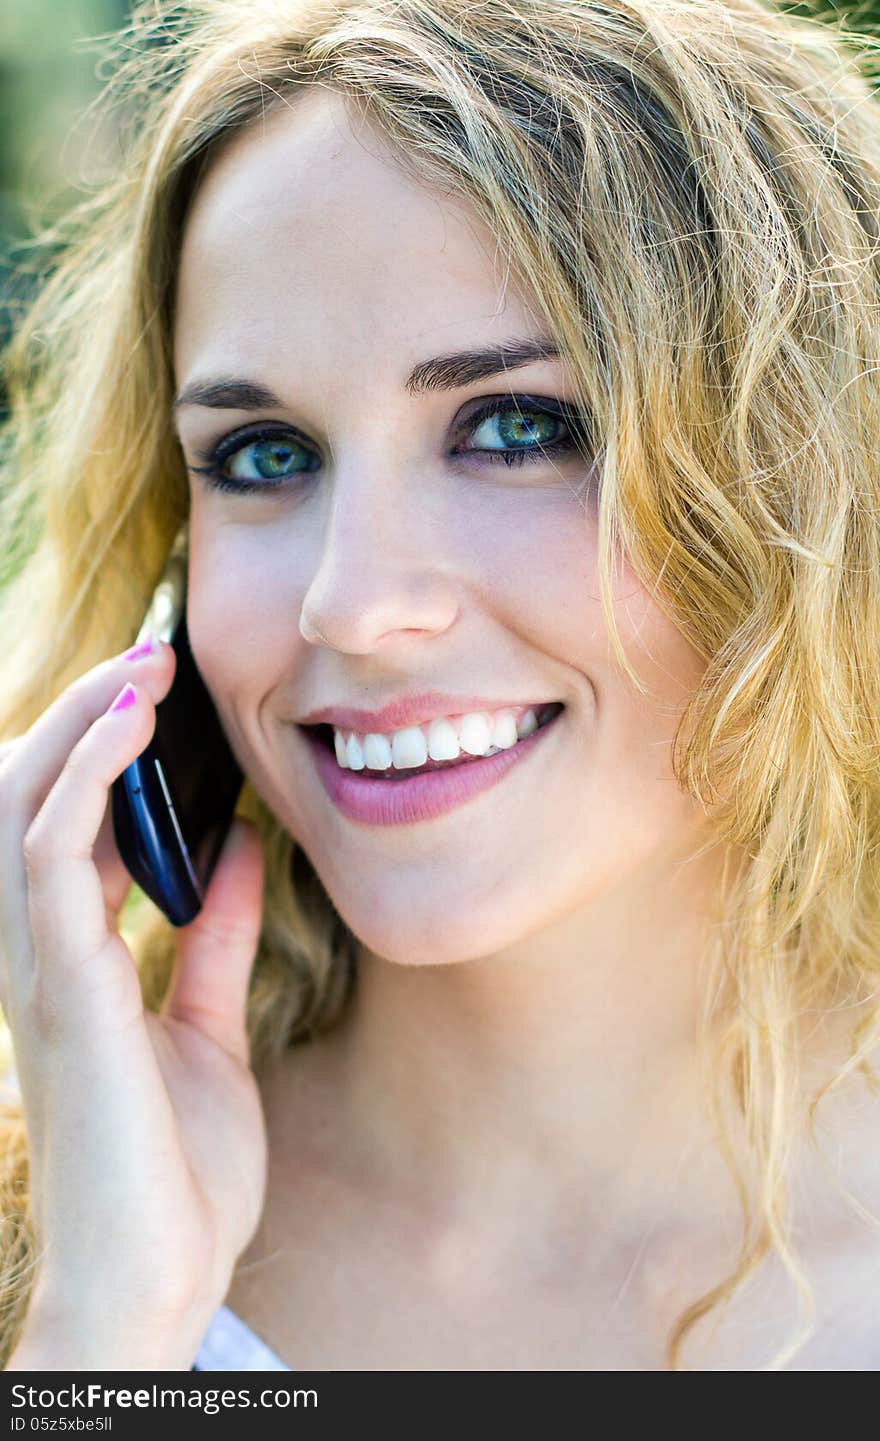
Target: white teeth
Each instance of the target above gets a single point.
(409, 748)
(504, 735)
(475, 734)
(528, 724)
(355, 756)
(377, 752)
(442, 740)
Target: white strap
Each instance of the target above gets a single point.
(230, 1345)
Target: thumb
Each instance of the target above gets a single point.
(216, 951)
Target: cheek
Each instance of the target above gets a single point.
(644, 726)
(533, 554)
(539, 568)
(239, 606)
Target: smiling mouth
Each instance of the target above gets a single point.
(323, 734)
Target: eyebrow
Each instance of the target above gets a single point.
(443, 372)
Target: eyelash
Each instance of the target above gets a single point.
(499, 405)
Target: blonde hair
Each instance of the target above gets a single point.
(692, 188)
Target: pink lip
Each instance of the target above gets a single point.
(423, 797)
(413, 710)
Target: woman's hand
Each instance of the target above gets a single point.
(146, 1132)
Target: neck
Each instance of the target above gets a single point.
(558, 1077)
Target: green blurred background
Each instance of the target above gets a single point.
(54, 147)
(49, 144)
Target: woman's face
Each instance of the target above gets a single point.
(380, 560)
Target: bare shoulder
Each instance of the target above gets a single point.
(330, 1243)
(846, 1284)
(834, 1210)
(843, 1241)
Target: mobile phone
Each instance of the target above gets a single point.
(172, 807)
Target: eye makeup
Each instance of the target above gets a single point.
(288, 439)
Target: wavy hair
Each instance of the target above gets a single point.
(692, 188)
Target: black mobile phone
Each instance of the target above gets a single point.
(173, 806)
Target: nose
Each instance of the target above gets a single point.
(380, 576)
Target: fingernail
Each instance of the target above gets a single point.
(147, 647)
(127, 697)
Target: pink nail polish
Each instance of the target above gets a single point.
(127, 697)
(147, 647)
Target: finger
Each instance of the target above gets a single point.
(74, 964)
(115, 876)
(116, 879)
(212, 967)
(32, 764)
(41, 752)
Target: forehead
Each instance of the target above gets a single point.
(305, 232)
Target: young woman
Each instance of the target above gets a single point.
(512, 369)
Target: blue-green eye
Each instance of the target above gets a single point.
(530, 425)
(271, 458)
(520, 426)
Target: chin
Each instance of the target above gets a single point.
(434, 944)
